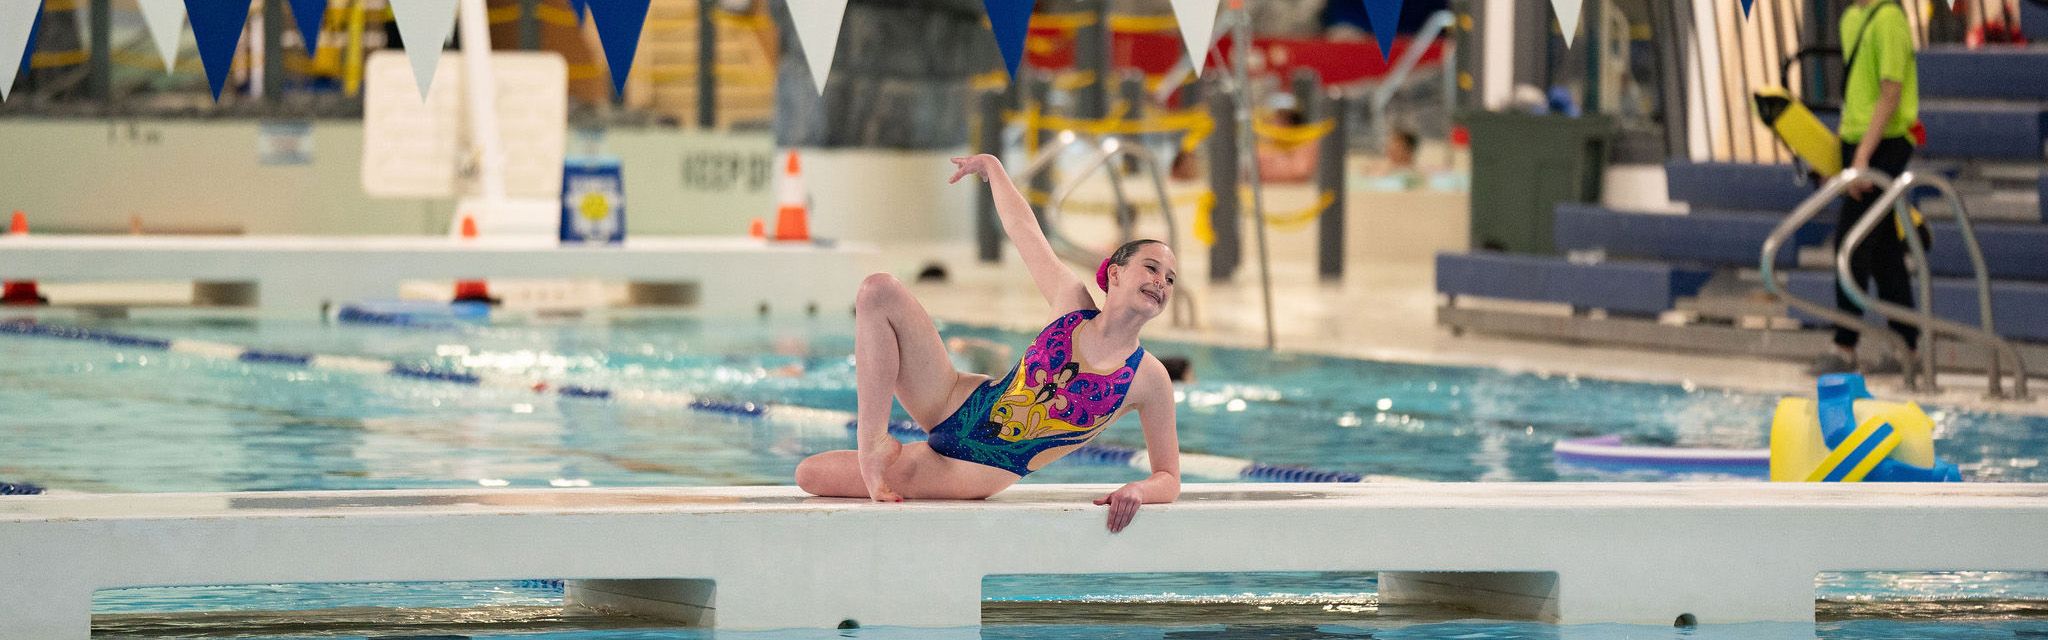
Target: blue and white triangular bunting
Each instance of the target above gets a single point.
(166, 22)
(817, 30)
(424, 25)
(17, 20)
(1197, 29)
(618, 29)
(307, 13)
(1011, 22)
(1385, 16)
(217, 25)
(1567, 18)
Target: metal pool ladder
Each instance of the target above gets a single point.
(1893, 198)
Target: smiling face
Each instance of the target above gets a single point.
(1144, 282)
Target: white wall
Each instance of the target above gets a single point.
(201, 175)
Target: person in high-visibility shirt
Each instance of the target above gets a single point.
(1880, 112)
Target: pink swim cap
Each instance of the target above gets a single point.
(1102, 275)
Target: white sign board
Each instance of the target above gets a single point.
(419, 149)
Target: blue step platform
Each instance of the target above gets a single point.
(1985, 131)
(2005, 132)
(1737, 186)
(1990, 73)
(2034, 20)
(1708, 237)
(1630, 287)
(2012, 251)
(2019, 308)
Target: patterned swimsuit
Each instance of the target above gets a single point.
(1045, 402)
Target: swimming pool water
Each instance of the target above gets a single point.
(84, 417)
(91, 418)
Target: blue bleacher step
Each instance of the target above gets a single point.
(1618, 286)
(2012, 251)
(2006, 132)
(1978, 130)
(1998, 73)
(2034, 20)
(1709, 237)
(2020, 309)
(1737, 186)
(1774, 189)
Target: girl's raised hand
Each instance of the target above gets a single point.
(979, 165)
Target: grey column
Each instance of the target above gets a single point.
(529, 24)
(103, 40)
(1466, 63)
(102, 74)
(1223, 181)
(707, 66)
(1131, 86)
(1091, 53)
(1330, 179)
(1307, 94)
(1040, 89)
(1594, 19)
(988, 227)
(274, 24)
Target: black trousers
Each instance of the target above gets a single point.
(1882, 256)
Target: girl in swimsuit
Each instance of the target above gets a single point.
(1084, 370)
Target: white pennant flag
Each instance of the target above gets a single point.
(1567, 18)
(17, 19)
(166, 22)
(424, 25)
(817, 29)
(1197, 25)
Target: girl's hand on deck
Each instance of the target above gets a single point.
(1123, 505)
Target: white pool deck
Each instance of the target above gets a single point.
(771, 557)
(299, 273)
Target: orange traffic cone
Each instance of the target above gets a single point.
(20, 292)
(472, 290)
(756, 229)
(792, 215)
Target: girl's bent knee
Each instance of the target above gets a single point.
(876, 289)
(810, 475)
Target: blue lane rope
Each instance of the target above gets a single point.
(1095, 453)
(19, 489)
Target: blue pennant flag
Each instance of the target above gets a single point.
(618, 28)
(34, 31)
(308, 14)
(217, 26)
(1385, 16)
(1746, 4)
(1011, 21)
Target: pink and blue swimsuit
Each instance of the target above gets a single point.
(1046, 402)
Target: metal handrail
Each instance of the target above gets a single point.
(1768, 269)
(1894, 199)
(1923, 275)
(1425, 36)
(1107, 150)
